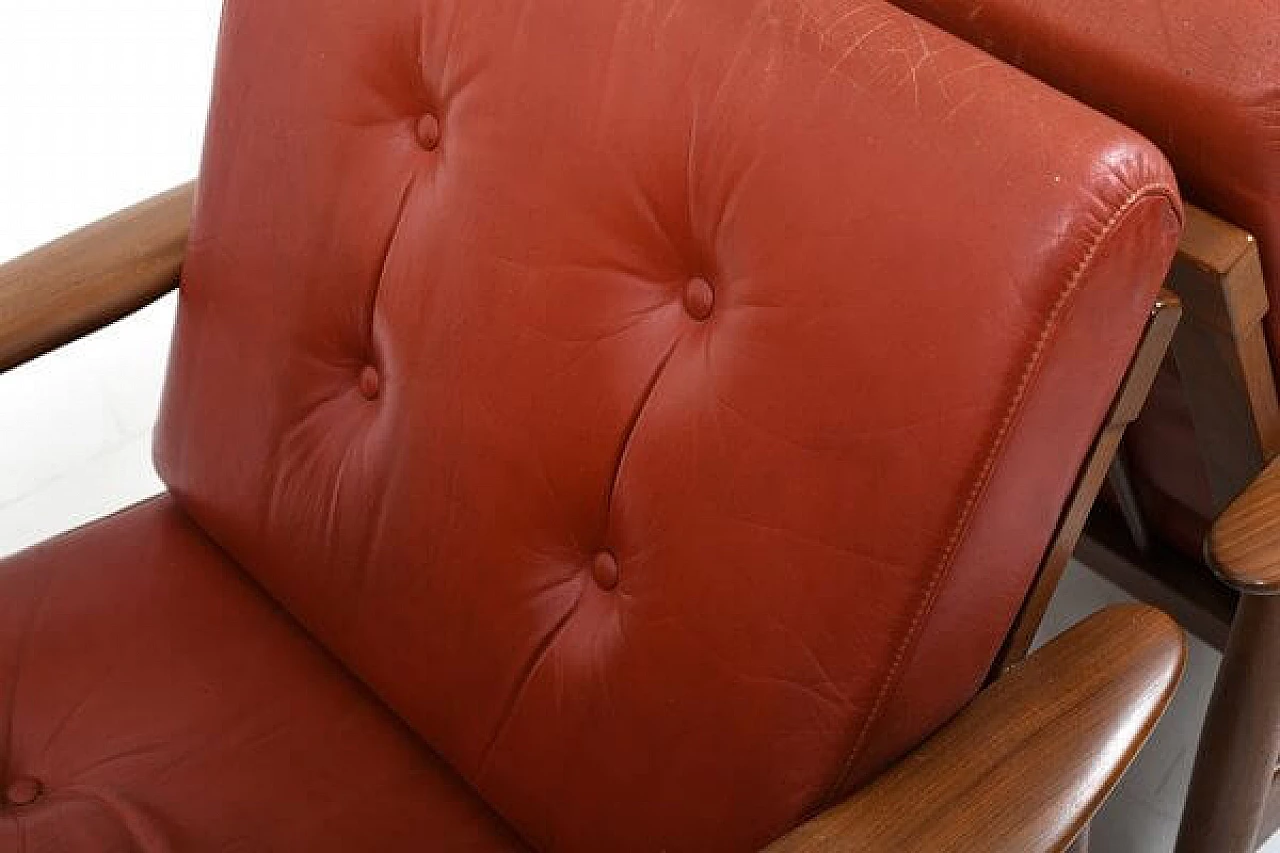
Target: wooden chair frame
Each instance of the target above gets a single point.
(1221, 353)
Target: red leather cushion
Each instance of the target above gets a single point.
(662, 406)
(154, 700)
(1200, 77)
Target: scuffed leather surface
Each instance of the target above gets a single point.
(824, 499)
(1199, 77)
(166, 706)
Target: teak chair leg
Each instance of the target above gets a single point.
(1240, 741)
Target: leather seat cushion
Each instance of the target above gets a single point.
(152, 699)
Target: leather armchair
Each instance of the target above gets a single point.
(590, 428)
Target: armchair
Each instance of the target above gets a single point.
(590, 428)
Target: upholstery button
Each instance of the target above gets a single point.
(699, 298)
(22, 792)
(605, 570)
(429, 132)
(370, 382)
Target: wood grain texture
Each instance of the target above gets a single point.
(1128, 402)
(1213, 243)
(1162, 576)
(92, 277)
(1024, 767)
(1244, 544)
(1236, 759)
(1221, 352)
(1230, 389)
(1270, 822)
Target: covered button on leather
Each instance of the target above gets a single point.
(370, 382)
(429, 131)
(605, 570)
(22, 792)
(699, 298)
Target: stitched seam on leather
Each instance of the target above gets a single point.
(1012, 413)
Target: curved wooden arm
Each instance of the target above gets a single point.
(1244, 544)
(1024, 767)
(92, 277)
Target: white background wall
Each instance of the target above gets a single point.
(103, 103)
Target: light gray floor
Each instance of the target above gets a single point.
(77, 436)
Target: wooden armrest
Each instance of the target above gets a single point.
(92, 277)
(1028, 762)
(1244, 544)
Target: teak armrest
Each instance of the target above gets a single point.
(1028, 762)
(91, 277)
(1244, 544)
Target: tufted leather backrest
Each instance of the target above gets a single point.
(662, 404)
